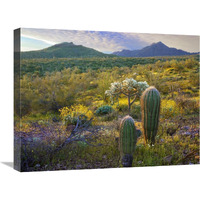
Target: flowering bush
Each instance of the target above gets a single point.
(121, 105)
(70, 115)
(169, 108)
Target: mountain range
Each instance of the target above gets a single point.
(64, 50)
(70, 50)
(155, 49)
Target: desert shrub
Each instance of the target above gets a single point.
(121, 105)
(195, 90)
(136, 111)
(169, 108)
(190, 63)
(104, 110)
(55, 118)
(25, 127)
(22, 107)
(70, 115)
(187, 92)
(109, 117)
(194, 79)
(186, 105)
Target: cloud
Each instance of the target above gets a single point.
(101, 41)
(111, 41)
(31, 44)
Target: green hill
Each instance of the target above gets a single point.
(64, 50)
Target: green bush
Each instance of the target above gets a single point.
(136, 111)
(104, 110)
(186, 105)
(109, 117)
(122, 107)
(73, 120)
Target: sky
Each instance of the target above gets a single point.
(107, 42)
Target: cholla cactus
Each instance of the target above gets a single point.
(115, 88)
(129, 87)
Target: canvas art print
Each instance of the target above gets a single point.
(92, 99)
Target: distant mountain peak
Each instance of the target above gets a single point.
(64, 50)
(158, 44)
(155, 49)
(63, 44)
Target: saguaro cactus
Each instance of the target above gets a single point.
(128, 140)
(150, 105)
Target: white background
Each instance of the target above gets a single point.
(150, 16)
